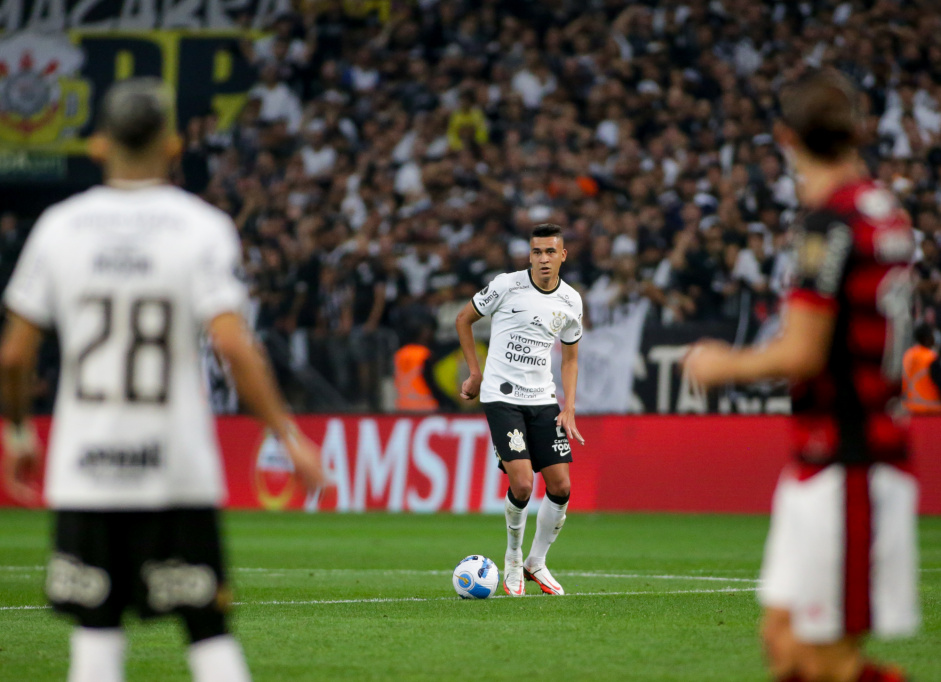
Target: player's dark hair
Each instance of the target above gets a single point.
(135, 112)
(546, 230)
(822, 110)
(924, 335)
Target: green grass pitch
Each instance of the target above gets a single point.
(369, 597)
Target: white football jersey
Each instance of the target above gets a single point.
(526, 321)
(129, 278)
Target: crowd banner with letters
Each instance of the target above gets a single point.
(59, 57)
(51, 84)
(445, 463)
(607, 362)
(635, 367)
(57, 16)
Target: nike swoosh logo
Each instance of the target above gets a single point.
(514, 310)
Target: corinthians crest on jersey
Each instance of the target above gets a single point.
(526, 322)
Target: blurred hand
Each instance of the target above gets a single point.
(566, 420)
(305, 455)
(470, 389)
(707, 363)
(21, 450)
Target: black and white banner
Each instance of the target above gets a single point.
(629, 368)
(57, 16)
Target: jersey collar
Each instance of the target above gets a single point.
(543, 291)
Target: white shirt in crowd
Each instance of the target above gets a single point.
(264, 50)
(318, 162)
(408, 179)
(608, 133)
(529, 86)
(416, 271)
(747, 268)
(607, 303)
(278, 103)
(364, 80)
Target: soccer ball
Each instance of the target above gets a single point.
(476, 577)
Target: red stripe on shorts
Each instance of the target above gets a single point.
(856, 605)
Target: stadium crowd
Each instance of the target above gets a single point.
(381, 172)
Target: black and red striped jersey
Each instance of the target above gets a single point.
(853, 261)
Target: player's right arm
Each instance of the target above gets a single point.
(18, 350)
(485, 302)
(465, 319)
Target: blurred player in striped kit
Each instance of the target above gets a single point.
(840, 560)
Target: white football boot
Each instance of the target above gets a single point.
(513, 583)
(541, 576)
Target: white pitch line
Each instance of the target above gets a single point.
(406, 571)
(571, 574)
(713, 578)
(395, 600)
(401, 600)
(23, 608)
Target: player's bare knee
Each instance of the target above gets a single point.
(522, 490)
(811, 669)
(559, 488)
(837, 661)
(775, 625)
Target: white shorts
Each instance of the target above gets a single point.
(842, 553)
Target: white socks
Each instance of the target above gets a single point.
(549, 522)
(515, 527)
(218, 659)
(97, 655)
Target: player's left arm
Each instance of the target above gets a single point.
(566, 418)
(19, 348)
(29, 299)
(799, 353)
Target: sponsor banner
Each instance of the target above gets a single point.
(51, 85)
(440, 463)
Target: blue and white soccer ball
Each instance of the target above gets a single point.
(476, 577)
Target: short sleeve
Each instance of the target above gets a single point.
(487, 300)
(216, 287)
(572, 332)
(30, 293)
(824, 246)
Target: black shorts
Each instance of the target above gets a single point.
(156, 562)
(527, 432)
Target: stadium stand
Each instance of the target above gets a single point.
(382, 172)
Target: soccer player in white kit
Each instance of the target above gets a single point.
(129, 274)
(530, 309)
